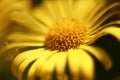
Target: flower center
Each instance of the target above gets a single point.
(65, 34)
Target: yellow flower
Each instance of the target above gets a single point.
(63, 31)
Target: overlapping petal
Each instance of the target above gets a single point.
(46, 62)
(81, 65)
(100, 54)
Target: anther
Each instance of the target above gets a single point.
(65, 34)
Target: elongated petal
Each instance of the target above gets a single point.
(61, 62)
(21, 37)
(102, 11)
(21, 45)
(20, 58)
(81, 65)
(98, 5)
(59, 8)
(43, 16)
(52, 9)
(117, 22)
(112, 30)
(36, 68)
(25, 19)
(65, 7)
(56, 61)
(80, 8)
(103, 19)
(100, 54)
(33, 55)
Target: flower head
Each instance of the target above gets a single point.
(63, 31)
(66, 34)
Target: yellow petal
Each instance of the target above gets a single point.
(114, 31)
(21, 44)
(52, 9)
(80, 8)
(21, 57)
(59, 8)
(105, 8)
(97, 29)
(46, 69)
(43, 16)
(25, 19)
(81, 64)
(16, 36)
(36, 68)
(64, 7)
(74, 63)
(60, 65)
(103, 19)
(100, 54)
(33, 55)
(49, 66)
(97, 5)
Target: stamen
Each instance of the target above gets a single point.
(66, 34)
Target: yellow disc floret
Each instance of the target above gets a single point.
(65, 34)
